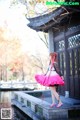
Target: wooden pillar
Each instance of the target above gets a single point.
(67, 83)
(51, 40)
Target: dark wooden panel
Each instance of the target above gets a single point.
(71, 91)
(61, 66)
(76, 87)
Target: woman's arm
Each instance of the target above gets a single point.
(47, 70)
(57, 69)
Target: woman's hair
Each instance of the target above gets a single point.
(53, 57)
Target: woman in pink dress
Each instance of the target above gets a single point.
(53, 78)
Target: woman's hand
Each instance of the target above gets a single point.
(62, 77)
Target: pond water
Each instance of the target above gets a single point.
(5, 102)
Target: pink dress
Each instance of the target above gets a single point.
(50, 79)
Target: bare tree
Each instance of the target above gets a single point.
(38, 62)
(45, 39)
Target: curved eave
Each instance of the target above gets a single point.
(42, 23)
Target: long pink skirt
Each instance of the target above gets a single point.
(49, 80)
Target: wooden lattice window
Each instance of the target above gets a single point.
(60, 45)
(74, 41)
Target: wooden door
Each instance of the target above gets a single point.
(74, 65)
(69, 61)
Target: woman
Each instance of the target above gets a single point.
(53, 78)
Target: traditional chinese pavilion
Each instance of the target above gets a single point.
(63, 27)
